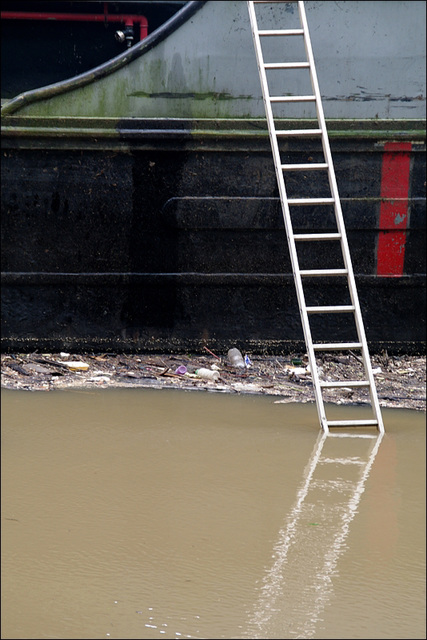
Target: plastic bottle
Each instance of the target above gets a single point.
(207, 374)
(235, 358)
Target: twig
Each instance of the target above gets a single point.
(211, 352)
(282, 368)
(355, 356)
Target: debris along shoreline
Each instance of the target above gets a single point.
(401, 380)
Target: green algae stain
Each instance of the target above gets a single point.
(209, 95)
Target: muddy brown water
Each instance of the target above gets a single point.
(138, 513)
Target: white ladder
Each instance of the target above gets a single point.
(332, 200)
(298, 585)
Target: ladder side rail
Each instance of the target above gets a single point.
(340, 220)
(288, 221)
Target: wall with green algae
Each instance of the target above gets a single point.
(370, 60)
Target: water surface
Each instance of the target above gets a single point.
(137, 513)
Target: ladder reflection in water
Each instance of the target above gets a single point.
(298, 586)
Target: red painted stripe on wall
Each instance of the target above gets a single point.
(394, 208)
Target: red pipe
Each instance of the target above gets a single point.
(126, 19)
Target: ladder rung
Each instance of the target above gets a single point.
(331, 309)
(341, 460)
(352, 423)
(304, 167)
(324, 272)
(341, 485)
(286, 65)
(281, 32)
(317, 236)
(302, 201)
(345, 383)
(337, 346)
(299, 132)
(352, 435)
(292, 98)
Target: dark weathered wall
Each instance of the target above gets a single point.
(171, 243)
